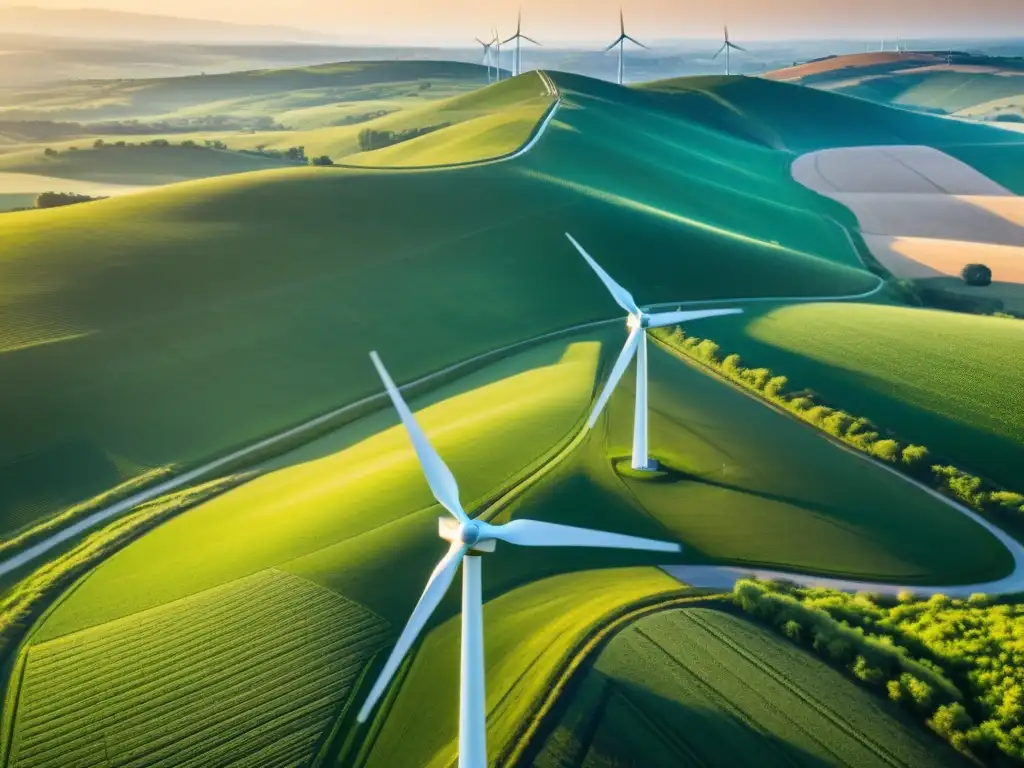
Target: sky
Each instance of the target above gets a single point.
(447, 21)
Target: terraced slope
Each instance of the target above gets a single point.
(254, 671)
(699, 686)
(161, 328)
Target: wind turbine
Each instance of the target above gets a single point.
(727, 46)
(638, 323)
(517, 55)
(487, 56)
(468, 540)
(621, 42)
(497, 57)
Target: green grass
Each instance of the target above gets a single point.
(530, 633)
(753, 486)
(938, 91)
(269, 93)
(946, 380)
(219, 675)
(140, 166)
(490, 123)
(337, 498)
(699, 686)
(195, 318)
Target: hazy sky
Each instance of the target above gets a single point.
(449, 20)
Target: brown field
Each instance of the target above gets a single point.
(853, 61)
(923, 213)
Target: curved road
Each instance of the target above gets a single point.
(697, 575)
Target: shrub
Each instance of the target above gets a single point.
(189, 144)
(58, 199)
(886, 450)
(99, 144)
(50, 152)
(215, 144)
(296, 154)
(323, 160)
(976, 274)
(915, 454)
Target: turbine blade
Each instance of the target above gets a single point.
(439, 477)
(617, 370)
(724, 46)
(634, 41)
(533, 533)
(530, 40)
(662, 319)
(437, 586)
(613, 44)
(738, 47)
(622, 23)
(621, 295)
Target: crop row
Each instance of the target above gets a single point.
(253, 670)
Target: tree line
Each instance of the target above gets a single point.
(956, 664)
(370, 138)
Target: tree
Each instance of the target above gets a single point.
(976, 274)
(296, 154)
(50, 152)
(99, 144)
(322, 160)
(189, 144)
(58, 199)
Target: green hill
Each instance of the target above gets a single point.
(195, 318)
(966, 85)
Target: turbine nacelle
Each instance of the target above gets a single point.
(471, 535)
(638, 321)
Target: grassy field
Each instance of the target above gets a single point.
(949, 381)
(531, 631)
(752, 486)
(194, 318)
(221, 675)
(271, 94)
(141, 166)
(335, 499)
(697, 686)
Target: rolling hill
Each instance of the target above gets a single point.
(954, 83)
(194, 318)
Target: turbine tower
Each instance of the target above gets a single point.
(467, 541)
(728, 47)
(621, 42)
(638, 323)
(518, 37)
(497, 57)
(487, 56)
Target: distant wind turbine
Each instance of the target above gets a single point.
(638, 323)
(621, 42)
(497, 56)
(728, 47)
(487, 55)
(518, 37)
(468, 540)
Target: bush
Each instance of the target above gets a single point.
(886, 450)
(99, 144)
(323, 160)
(215, 144)
(50, 152)
(58, 199)
(189, 144)
(976, 274)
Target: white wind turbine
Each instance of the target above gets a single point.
(518, 37)
(728, 47)
(638, 322)
(621, 42)
(468, 539)
(487, 56)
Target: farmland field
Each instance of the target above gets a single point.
(697, 686)
(101, 694)
(949, 381)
